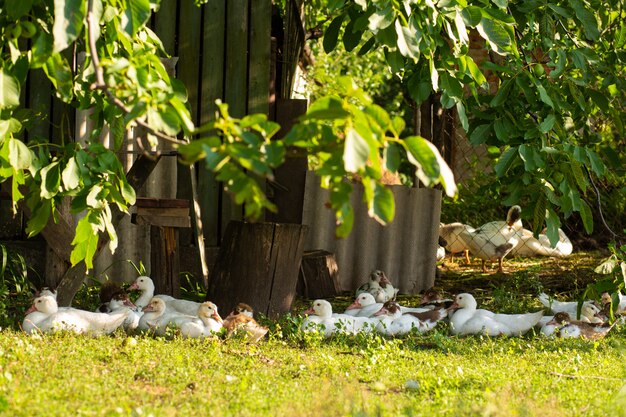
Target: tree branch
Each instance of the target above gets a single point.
(101, 85)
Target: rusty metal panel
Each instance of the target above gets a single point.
(404, 249)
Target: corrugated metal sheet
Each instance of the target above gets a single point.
(404, 249)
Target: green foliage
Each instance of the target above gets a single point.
(353, 137)
(124, 83)
(558, 110)
(16, 287)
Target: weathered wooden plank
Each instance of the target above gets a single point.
(164, 260)
(162, 203)
(39, 100)
(163, 26)
(318, 275)
(163, 212)
(260, 50)
(163, 221)
(188, 71)
(212, 88)
(291, 176)
(235, 82)
(287, 248)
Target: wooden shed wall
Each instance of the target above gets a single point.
(223, 49)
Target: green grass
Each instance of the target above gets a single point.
(296, 375)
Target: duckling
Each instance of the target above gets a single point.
(494, 240)
(567, 328)
(379, 286)
(241, 318)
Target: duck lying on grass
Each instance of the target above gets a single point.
(563, 326)
(46, 316)
(468, 319)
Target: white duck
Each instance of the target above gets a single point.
(146, 285)
(45, 316)
(563, 326)
(379, 286)
(395, 323)
(530, 246)
(156, 317)
(467, 319)
(556, 306)
(494, 240)
(451, 233)
(121, 303)
(365, 306)
(210, 322)
(241, 319)
(321, 317)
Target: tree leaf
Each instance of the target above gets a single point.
(68, 22)
(9, 90)
(351, 37)
(50, 180)
(547, 124)
(381, 19)
(431, 168)
(326, 108)
(85, 242)
(587, 18)
(382, 207)
(543, 94)
(408, 40)
(587, 217)
(480, 134)
(596, 163)
(495, 33)
(502, 94)
(460, 109)
(392, 157)
(506, 161)
(332, 34)
(20, 157)
(59, 72)
(39, 218)
(93, 199)
(136, 14)
(607, 266)
(71, 175)
(18, 8)
(539, 214)
(356, 151)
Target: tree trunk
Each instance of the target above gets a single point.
(257, 264)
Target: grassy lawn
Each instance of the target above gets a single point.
(295, 375)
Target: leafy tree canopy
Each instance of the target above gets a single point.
(550, 95)
(122, 80)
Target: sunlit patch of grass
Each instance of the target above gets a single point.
(292, 373)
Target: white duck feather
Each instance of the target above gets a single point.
(467, 319)
(46, 316)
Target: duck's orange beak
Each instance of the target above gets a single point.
(356, 304)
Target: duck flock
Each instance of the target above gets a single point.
(374, 309)
(149, 313)
(494, 240)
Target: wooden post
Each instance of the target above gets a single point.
(257, 264)
(164, 217)
(318, 275)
